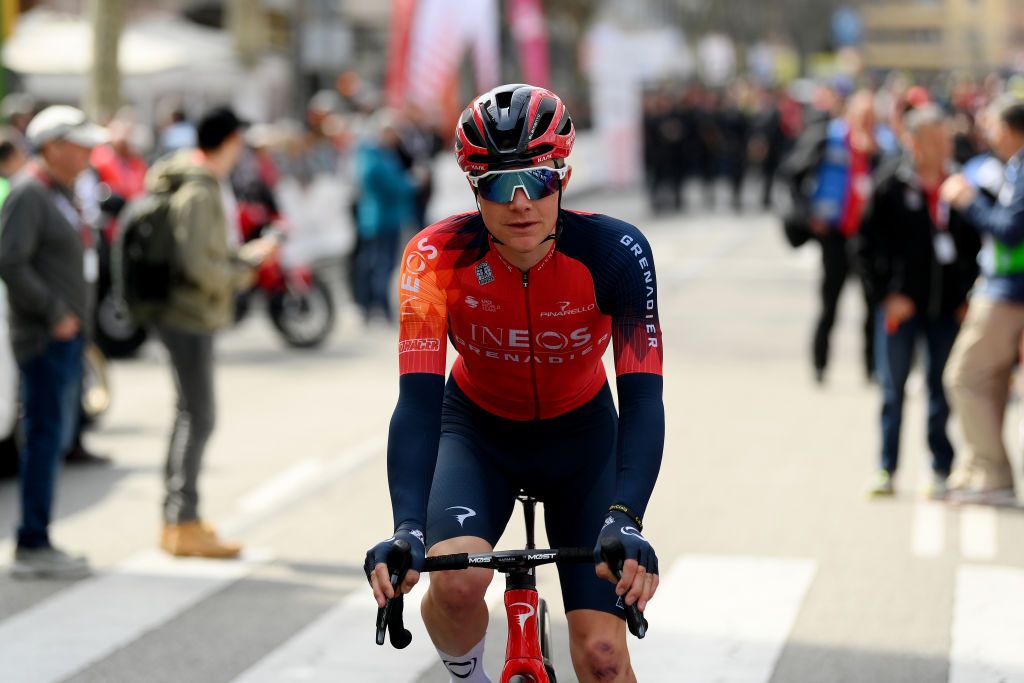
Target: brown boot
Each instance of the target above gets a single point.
(196, 539)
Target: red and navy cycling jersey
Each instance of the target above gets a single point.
(530, 343)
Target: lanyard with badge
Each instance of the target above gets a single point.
(90, 258)
(938, 211)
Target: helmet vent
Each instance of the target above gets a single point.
(470, 130)
(503, 99)
(566, 126)
(543, 123)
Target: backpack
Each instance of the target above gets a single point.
(144, 256)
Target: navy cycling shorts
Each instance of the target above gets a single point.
(567, 462)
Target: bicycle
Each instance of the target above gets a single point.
(528, 649)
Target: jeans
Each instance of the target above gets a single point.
(895, 355)
(50, 385)
(192, 365)
(374, 266)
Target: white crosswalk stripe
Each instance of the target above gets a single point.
(339, 646)
(716, 618)
(988, 624)
(92, 619)
(722, 619)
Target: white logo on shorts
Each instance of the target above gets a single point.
(463, 517)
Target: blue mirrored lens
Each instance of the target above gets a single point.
(536, 182)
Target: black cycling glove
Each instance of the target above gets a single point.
(408, 532)
(621, 527)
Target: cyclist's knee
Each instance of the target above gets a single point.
(457, 592)
(598, 644)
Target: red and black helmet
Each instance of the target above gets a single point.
(512, 126)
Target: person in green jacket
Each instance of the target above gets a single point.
(201, 303)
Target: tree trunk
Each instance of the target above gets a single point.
(247, 22)
(104, 95)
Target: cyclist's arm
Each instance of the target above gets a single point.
(416, 423)
(636, 336)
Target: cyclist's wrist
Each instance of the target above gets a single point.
(628, 512)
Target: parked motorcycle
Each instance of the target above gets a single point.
(299, 300)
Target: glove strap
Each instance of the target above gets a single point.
(629, 513)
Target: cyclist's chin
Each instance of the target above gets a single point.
(523, 243)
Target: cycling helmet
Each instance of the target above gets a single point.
(513, 126)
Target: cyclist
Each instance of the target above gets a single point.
(530, 295)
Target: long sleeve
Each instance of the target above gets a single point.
(199, 227)
(412, 445)
(416, 423)
(1004, 223)
(636, 335)
(22, 221)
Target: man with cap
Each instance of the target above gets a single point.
(48, 264)
(212, 270)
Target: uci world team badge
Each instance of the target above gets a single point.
(484, 274)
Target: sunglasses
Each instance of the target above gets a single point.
(501, 186)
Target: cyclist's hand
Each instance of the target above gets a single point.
(376, 565)
(639, 579)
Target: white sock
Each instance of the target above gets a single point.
(469, 668)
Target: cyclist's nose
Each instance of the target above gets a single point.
(520, 200)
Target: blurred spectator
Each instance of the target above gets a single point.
(984, 355)
(734, 137)
(12, 158)
(919, 261)
(709, 144)
(768, 142)
(42, 252)
(386, 205)
(666, 134)
(178, 134)
(420, 143)
(201, 303)
(18, 108)
(830, 176)
(120, 164)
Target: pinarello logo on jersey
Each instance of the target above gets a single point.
(423, 344)
(567, 309)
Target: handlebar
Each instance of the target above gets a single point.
(389, 617)
(507, 560)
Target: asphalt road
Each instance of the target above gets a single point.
(776, 567)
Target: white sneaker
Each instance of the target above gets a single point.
(995, 497)
(48, 563)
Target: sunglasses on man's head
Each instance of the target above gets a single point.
(501, 186)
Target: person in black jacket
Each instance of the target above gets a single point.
(919, 261)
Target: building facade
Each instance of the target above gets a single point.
(928, 36)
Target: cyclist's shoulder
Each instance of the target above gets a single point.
(599, 227)
(452, 233)
(599, 240)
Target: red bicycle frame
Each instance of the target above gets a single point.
(522, 653)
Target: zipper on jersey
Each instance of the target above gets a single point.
(529, 331)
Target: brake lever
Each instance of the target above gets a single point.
(390, 615)
(614, 554)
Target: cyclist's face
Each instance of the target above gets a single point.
(523, 223)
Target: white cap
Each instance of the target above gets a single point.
(61, 122)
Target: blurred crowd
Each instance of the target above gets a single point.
(916, 192)
(112, 233)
